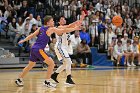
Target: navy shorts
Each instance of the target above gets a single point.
(38, 55)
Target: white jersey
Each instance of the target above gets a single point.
(62, 40)
(61, 46)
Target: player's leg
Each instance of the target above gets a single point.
(50, 63)
(68, 71)
(59, 69)
(60, 55)
(19, 81)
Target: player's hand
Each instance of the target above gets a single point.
(78, 23)
(21, 41)
(83, 14)
(77, 27)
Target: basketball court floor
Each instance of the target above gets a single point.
(97, 80)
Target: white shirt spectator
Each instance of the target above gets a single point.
(38, 23)
(67, 12)
(98, 6)
(32, 21)
(127, 48)
(75, 41)
(118, 50)
(135, 49)
(20, 28)
(79, 4)
(110, 36)
(92, 30)
(6, 14)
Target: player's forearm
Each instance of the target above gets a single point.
(28, 37)
(67, 30)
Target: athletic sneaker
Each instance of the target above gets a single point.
(128, 64)
(133, 64)
(19, 82)
(69, 80)
(49, 84)
(54, 77)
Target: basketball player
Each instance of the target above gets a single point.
(62, 53)
(37, 50)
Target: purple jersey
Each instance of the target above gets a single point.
(42, 39)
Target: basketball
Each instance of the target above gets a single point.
(117, 20)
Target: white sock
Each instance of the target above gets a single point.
(61, 68)
(68, 66)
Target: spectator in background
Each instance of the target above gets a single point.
(13, 31)
(8, 12)
(20, 25)
(92, 29)
(136, 51)
(32, 19)
(38, 21)
(24, 9)
(124, 40)
(128, 50)
(111, 41)
(26, 30)
(27, 21)
(51, 48)
(84, 35)
(33, 29)
(84, 53)
(118, 53)
(16, 4)
(75, 41)
(98, 5)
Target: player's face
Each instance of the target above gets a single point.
(62, 21)
(51, 23)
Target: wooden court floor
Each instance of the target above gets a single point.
(98, 80)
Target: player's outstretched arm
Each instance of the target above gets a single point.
(78, 22)
(59, 31)
(30, 36)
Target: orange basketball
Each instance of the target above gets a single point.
(117, 20)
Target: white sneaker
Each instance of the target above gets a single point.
(19, 82)
(49, 84)
(128, 64)
(133, 64)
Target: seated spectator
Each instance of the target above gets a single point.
(20, 25)
(84, 52)
(32, 19)
(7, 13)
(51, 48)
(84, 35)
(27, 21)
(38, 21)
(124, 40)
(118, 53)
(33, 29)
(111, 47)
(24, 9)
(26, 30)
(13, 31)
(136, 51)
(127, 48)
(75, 41)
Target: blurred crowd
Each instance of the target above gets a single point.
(97, 28)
